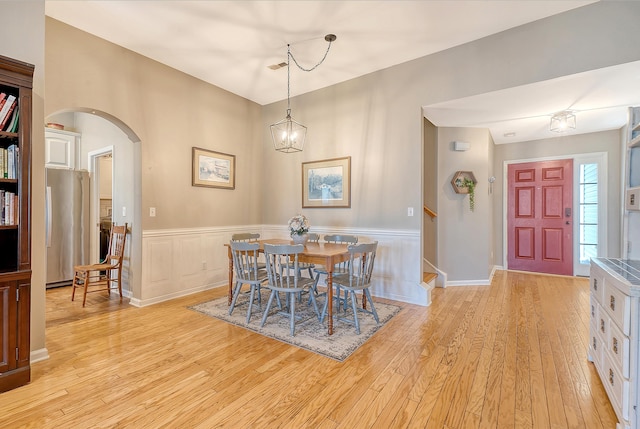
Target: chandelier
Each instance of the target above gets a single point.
(288, 135)
(562, 121)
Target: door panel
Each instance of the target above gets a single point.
(539, 219)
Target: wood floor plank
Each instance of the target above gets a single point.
(511, 354)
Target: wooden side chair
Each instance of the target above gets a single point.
(245, 236)
(248, 272)
(340, 268)
(361, 259)
(284, 276)
(107, 274)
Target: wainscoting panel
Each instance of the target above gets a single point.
(185, 261)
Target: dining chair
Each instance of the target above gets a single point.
(340, 268)
(107, 274)
(312, 238)
(245, 236)
(284, 276)
(361, 260)
(249, 237)
(248, 272)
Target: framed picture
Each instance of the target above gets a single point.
(213, 169)
(326, 183)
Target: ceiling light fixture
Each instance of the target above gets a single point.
(289, 135)
(562, 121)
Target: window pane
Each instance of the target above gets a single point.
(589, 234)
(588, 221)
(589, 193)
(589, 213)
(589, 173)
(588, 252)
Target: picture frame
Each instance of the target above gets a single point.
(327, 183)
(213, 169)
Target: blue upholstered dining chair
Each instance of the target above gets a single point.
(248, 272)
(284, 277)
(358, 278)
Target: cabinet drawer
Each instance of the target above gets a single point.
(617, 387)
(594, 309)
(618, 306)
(596, 282)
(618, 349)
(602, 325)
(596, 347)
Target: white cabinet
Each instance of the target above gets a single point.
(61, 149)
(614, 342)
(631, 218)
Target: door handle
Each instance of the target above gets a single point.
(568, 223)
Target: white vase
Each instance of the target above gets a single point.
(299, 238)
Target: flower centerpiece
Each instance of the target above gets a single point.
(298, 228)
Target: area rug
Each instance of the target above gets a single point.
(309, 334)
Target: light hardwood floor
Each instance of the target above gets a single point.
(509, 355)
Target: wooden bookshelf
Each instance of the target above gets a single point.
(16, 79)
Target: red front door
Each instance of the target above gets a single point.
(540, 217)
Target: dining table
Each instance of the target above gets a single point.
(326, 254)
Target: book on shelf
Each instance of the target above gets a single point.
(3, 154)
(9, 208)
(4, 110)
(12, 123)
(3, 99)
(5, 115)
(12, 153)
(13, 128)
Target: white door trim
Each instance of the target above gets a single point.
(94, 217)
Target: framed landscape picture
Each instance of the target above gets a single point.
(213, 169)
(326, 183)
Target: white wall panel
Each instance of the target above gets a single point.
(185, 261)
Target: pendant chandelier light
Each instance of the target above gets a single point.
(562, 121)
(288, 135)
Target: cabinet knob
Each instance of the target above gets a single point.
(595, 284)
(612, 302)
(615, 345)
(602, 325)
(611, 376)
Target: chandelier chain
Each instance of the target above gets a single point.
(314, 67)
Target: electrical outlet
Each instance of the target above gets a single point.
(124, 211)
(152, 211)
(409, 211)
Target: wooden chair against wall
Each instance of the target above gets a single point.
(107, 274)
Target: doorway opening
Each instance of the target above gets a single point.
(100, 163)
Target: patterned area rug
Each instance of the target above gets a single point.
(309, 334)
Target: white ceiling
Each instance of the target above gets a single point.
(231, 44)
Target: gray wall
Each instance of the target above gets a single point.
(464, 240)
(22, 38)
(430, 197)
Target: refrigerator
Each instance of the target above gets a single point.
(67, 224)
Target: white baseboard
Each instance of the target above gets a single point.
(38, 355)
